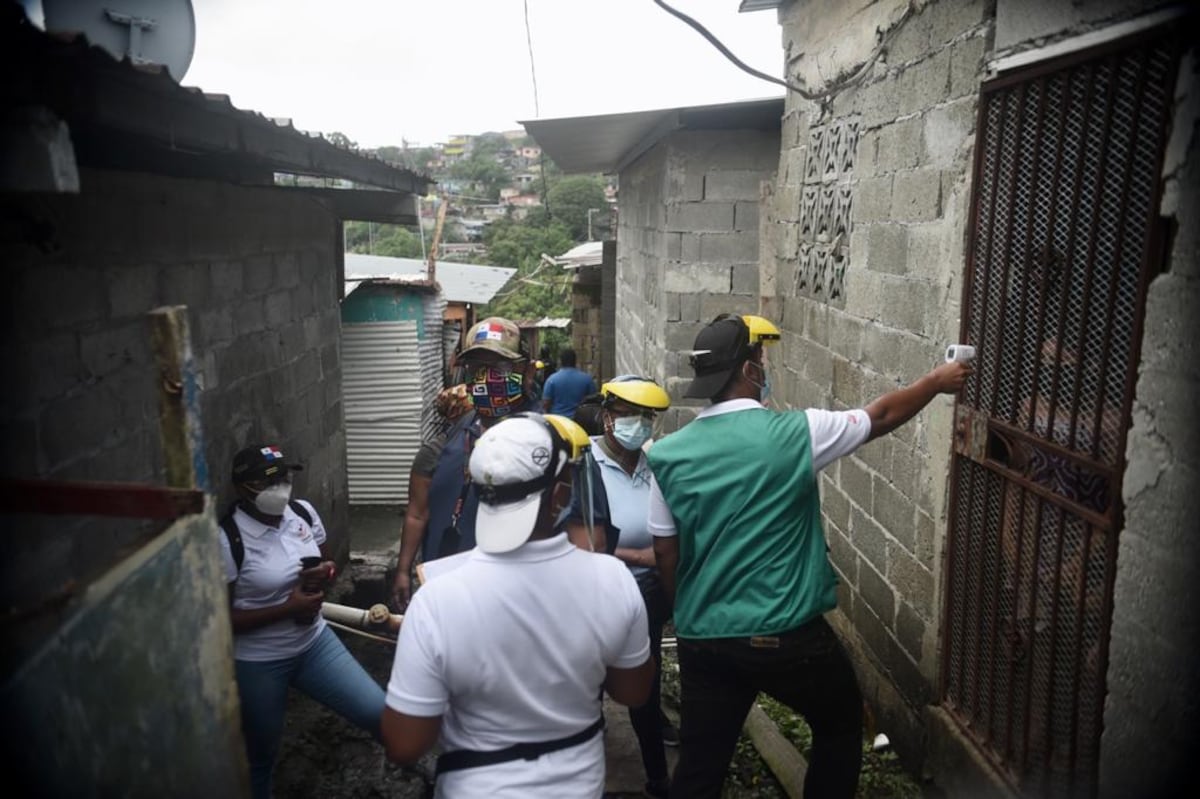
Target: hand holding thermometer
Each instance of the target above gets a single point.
(961, 353)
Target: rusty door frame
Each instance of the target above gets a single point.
(971, 427)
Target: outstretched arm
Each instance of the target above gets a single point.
(416, 519)
(897, 407)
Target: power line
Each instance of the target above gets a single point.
(804, 92)
(532, 69)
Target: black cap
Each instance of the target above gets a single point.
(261, 462)
(721, 347)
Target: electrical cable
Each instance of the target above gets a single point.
(804, 92)
(537, 112)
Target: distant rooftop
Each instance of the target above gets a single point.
(473, 283)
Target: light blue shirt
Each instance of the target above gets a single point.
(565, 388)
(628, 501)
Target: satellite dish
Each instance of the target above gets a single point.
(144, 31)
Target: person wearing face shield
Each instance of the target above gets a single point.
(440, 517)
(277, 564)
(621, 479)
(736, 519)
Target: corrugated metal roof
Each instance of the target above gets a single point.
(606, 143)
(474, 283)
(590, 253)
(128, 116)
(758, 5)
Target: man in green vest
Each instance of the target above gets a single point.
(739, 546)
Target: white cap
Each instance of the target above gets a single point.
(514, 450)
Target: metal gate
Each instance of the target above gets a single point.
(1062, 246)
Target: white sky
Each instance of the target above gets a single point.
(382, 70)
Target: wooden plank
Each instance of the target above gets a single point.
(178, 398)
(785, 762)
(133, 500)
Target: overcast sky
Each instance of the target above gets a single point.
(383, 70)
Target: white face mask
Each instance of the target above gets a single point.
(273, 499)
(632, 431)
(764, 388)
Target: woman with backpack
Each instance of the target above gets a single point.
(277, 566)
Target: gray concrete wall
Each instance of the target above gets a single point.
(255, 268)
(135, 694)
(867, 231)
(1152, 710)
(688, 248)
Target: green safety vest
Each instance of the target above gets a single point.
(752, 553)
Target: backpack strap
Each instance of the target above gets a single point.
(236, 547)
(298, 508)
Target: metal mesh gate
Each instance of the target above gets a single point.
(1066, 186)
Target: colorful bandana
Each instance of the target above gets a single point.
(496, 392)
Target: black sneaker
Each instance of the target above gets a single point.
(657, 789)
(670, 734)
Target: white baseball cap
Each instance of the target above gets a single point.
(511, 468)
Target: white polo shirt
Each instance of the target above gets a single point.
(269, 571)
(513, 648)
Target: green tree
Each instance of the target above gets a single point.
(482, 170)
(374, 238)
(341, 140)
(570, 199)
(537, 289)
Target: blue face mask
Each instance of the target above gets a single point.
(632, 431)
(764, 388)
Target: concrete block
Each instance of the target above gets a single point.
(835, 504)
(746, 215)
(730, 248)
(947, 130)
(917, 195)
(948, 21)
(845, 335)
(967, 65)
(877, 457)
(873, 200)
(841, 554)
(926, 543)
(911, 41)
(259, 274)
(214, 326)
(672, 307)
(82, 422)
(878, 102)
(868, 538)
(895, 513)
(689, 247)
(674, 246)
(691, 278)
(876, 592)
(868, 626)
(60, 297)
(694, 187)
(700, 217)
(104, 351)
(924, 84)
(912, 581)
(855, 481)
(132, 290)
(681, 337)
(816, 322)
(712, 305)
(907, 305)
(910, 631)
(226, 278)
(732, 184)
(909, 681)
(278, 309)
(900, 145)
(287, 270)
(745, 279)
(249, 316)
(794, 159)
(847, 382)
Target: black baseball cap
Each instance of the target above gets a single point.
(721, 347)
(261, 462)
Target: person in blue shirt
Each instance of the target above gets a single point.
(566, 387)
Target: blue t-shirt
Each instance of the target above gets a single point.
(566, 388)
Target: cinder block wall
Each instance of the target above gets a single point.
(255, 268)
(867, 226)
(1152, 709)
(702, 189)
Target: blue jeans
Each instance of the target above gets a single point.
(326, 672)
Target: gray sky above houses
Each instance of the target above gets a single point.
(385, 70)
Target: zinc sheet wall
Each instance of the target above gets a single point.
(382, 385)
(431, 350)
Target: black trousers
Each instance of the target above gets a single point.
(647, 720)
(805, 669)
